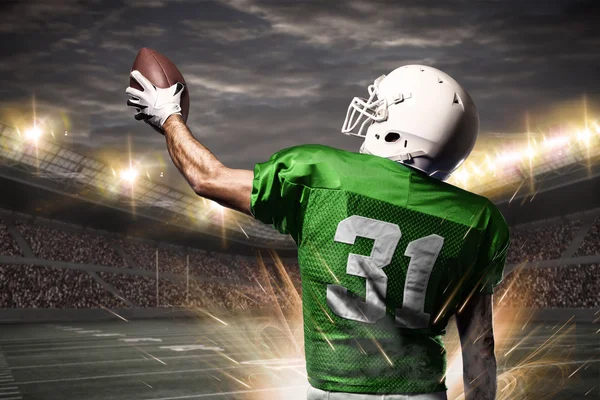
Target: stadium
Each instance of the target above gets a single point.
(115, 286)
(120, 279)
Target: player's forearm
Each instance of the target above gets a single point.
(205, 174)
(479, 373)
(475, 329)
(197, 164)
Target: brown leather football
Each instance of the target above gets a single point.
(162, 73)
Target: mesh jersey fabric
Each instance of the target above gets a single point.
(368, 331)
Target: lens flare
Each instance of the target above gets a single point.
(129, 175)
(33, 133)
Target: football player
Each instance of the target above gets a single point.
(388, 251)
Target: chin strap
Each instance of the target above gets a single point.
(399, 157)
(408, 156)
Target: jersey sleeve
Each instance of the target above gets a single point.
(280, 190)
(494, 250)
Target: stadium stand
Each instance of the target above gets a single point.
(542, 243)
(563, 287)
(245, 282)
(61, 245)
(25, 286)
(591, 243)
(8, 245)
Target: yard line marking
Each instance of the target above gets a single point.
(108, 334)
(232, 335)
(86, 378)
(191, 347)
(120, 349)
(200, 356)
(554, 363)
(109, 346)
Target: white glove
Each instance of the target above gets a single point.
(154, 105)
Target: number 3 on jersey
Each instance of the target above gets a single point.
(423, 253)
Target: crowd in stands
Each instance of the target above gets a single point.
(55, 244)
(26, 286)
(232, 282)
(543, 243)
(590, 245)
(8, 246)
(562, 287)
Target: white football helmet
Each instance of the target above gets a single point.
(418, 116)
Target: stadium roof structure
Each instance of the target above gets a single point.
(59, 169)
(554, 162)
(522, 172)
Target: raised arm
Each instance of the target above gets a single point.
(474, 325)
(204, 173)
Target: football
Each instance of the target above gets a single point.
(162, 73)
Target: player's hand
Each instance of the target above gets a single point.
(154, 105)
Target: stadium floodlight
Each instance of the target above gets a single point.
(530, 152)
(509, 157)
(33, 133)
(129, 175)
(584, 135)
(462, 175)
(557, 141)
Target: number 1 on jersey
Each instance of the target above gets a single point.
(423, 253)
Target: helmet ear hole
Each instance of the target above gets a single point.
(392, 137)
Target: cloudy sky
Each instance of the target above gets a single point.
(264, 75)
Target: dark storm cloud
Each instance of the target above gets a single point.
(264, 75)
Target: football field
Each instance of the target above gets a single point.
(243, 358)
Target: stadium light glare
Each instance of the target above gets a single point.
(33, 133)
(556, 141)
(490, 165)
(462, 175)
(477, 170)
(510, 157)
(530, 152)
(584, 135)
(129, 175)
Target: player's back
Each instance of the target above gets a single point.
(387, 255)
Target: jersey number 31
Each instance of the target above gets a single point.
(423, 253)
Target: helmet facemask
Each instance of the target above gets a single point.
(363, 112)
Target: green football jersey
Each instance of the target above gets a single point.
(386, 254)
